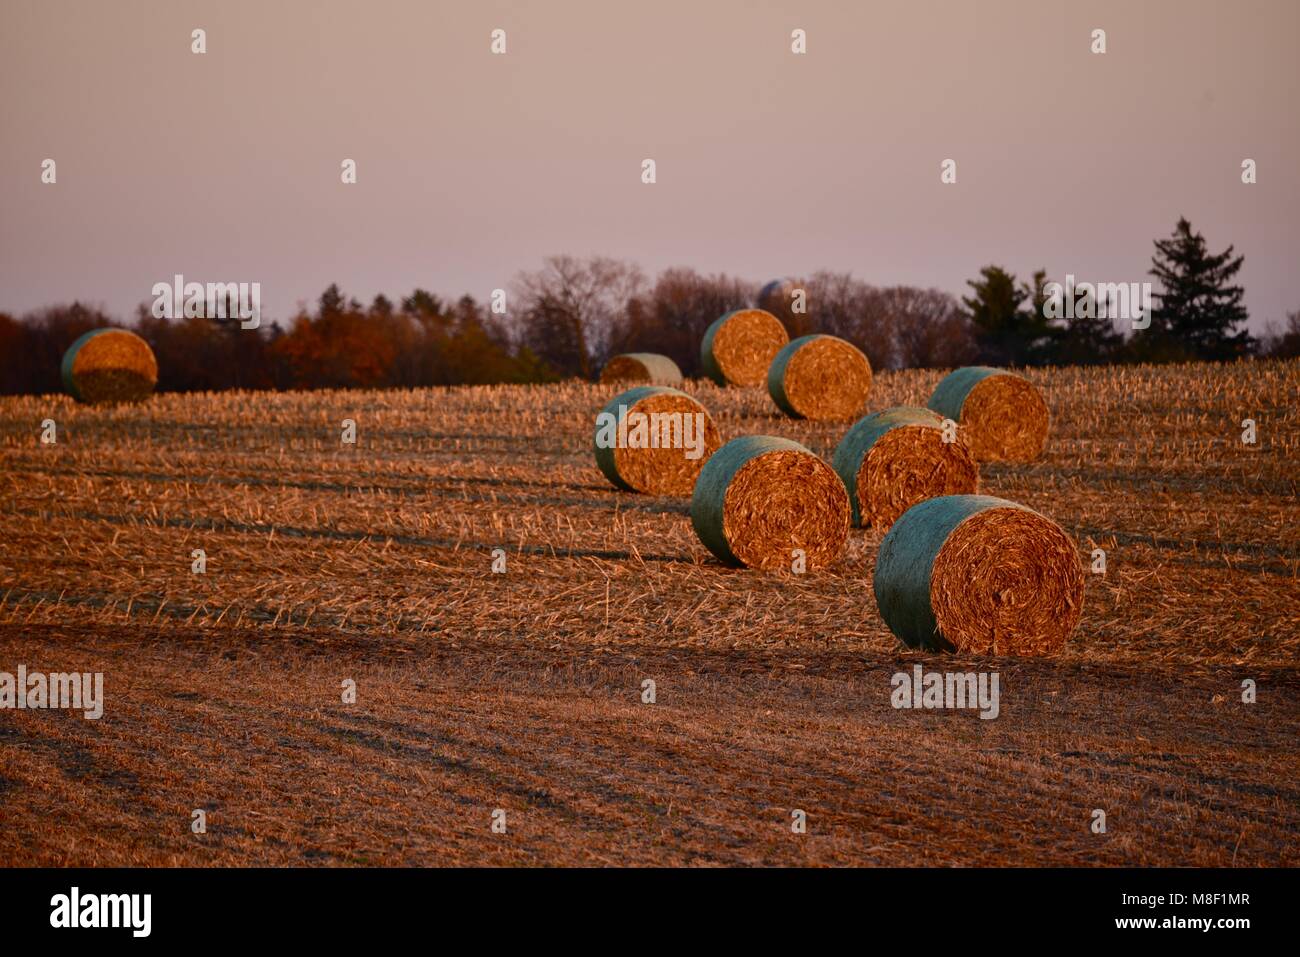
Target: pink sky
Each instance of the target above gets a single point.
(225, 166)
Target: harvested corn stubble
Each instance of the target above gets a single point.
(764, 502)
(738, 347)
(110, 365)
(893, 459)
(979, 575)
(641, 367)
(655, 440)
(820, 377)
(1002, 414)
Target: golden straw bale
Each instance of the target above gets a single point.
(738, 348)
(891, 460)
(761, 498)
(979, 575)
(820, 377)
(110, 365)
(641, 367)
(655, 440)
(1003, 415)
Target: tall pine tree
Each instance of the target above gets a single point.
(1198, 308)
(1009, 325)
(1088, 337)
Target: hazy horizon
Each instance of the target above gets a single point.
(471, 167)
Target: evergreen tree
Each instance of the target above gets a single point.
(331, 301)
(1199, 308)
(1088, 337)
(1007, 331)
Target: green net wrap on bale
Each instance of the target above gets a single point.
(1002, 414)
(739, 346)
(641, 367)
(979, 575)
(759, 498)
(891, 460)
(109, 365)
(820, 377)
(664, 440)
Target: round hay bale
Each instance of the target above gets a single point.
(787, 299)
(1001, 413)
(820, 377)
(776, 295)
(739, 346)
(979, 575)
(110, 365)
(641, 367)
(655, 440)
(759, 498)
(893, 459)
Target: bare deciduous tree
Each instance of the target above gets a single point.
(571, 306)
(840, 305)
(671, 319)
(930, 329)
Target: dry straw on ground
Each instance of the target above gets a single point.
(820, 377)
(655, 460)
(323, 559)
(893, 459)
(738, 347)
(1003, 415)
(761, 499)
(641, 367)
(110, 365)
(979, 575)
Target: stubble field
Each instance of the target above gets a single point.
(522, 691)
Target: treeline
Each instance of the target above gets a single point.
(1197, 314)
(566, 319)
(340, 344)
